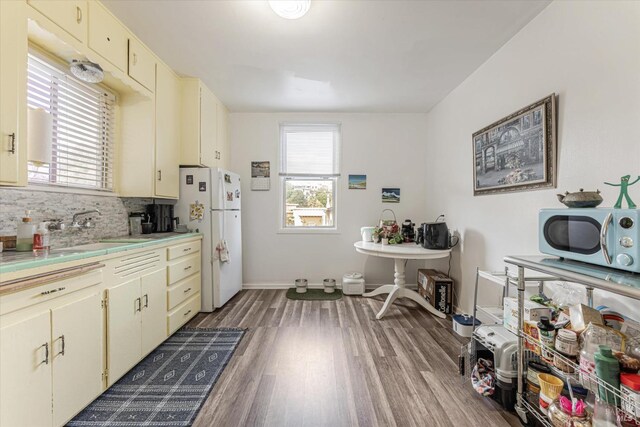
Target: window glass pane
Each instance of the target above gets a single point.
(83, 117)
(309, 203)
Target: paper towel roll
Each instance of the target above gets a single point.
(39, 136)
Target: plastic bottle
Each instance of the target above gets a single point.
(41, 240)
(608, 371)
(24, 238)
(547, 338)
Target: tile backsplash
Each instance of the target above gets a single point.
(112, 221)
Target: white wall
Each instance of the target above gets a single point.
(589, 54)
(388, 148)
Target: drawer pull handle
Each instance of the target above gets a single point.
(186, 249)
(61, 338)
(78, 15)
(12, 137)
(187, 313)
(52, 291)
(187, 267)
(146, 300)
(139, 304)
(46, 353)
(187, 290)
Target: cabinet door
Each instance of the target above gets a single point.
(25, 372)
(154, 310)
(77, 351)
(167, 182)
(123, 328)
(142, 64)
(70, 15)
(107, 36)
(208, 129)
(222, 140)
(13, 87)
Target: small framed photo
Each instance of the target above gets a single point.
(357, 182)
(518, 152)
(390, 195)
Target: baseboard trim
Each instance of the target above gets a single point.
(257, 286)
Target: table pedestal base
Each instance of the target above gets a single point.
(399, 290)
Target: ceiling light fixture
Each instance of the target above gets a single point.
(290, 9)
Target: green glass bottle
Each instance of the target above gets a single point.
(608, 371)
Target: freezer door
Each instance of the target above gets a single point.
(195, 185)
(228, 192)
(230, 273)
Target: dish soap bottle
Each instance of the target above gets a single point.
(24, 238)
(41, 240)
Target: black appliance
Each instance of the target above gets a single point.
(435, 235)
(408, 232)
(161, 216)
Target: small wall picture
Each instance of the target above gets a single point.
(260, 169)
(390, 195)
(357, 182)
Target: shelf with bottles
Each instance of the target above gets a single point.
(623, 404)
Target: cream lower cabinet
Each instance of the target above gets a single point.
(25, 372)
(76, 354)
(135, 321)
(51, 364)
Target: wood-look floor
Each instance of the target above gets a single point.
(331, 363)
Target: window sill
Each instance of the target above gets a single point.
(55, 189)
(308, 231)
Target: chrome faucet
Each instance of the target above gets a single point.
(86, 223)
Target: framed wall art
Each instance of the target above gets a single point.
(518, 152)
(357, 182)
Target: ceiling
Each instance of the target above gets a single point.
(343, 56)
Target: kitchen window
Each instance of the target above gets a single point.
(83, 124)
(309, 173)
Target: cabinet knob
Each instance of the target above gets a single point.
(46, 353)
(187, 313)
(188, 267)
(159, 174)
(187, 290)
(78, 14)
(61, 338)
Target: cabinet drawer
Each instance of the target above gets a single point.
(107, 36)
(183, 313)
(183, 290)
(49, 290)
(70, 15)
(183, 250)
(142, 65)
(184, 268)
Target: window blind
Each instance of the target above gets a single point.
(310, 150)
(83, 127)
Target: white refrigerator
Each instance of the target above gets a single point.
(210, 203)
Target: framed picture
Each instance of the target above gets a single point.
(518, 152)
(357, 182)
(390, 195)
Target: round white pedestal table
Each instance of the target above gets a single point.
(400, 254)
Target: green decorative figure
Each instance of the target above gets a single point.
(624, 185)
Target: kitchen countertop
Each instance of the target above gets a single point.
(11, 261)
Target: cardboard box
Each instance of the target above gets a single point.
(532, 313)
(436, 288)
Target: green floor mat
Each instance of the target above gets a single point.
(314, 295)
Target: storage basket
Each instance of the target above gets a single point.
(550, 386)
(389, 226)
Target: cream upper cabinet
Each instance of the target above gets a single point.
(70, 15)
(167, 149)
(222, 115)
(13, 87)
(199, 142)
(142, 64)
(25, 372)
(107, 36)
(77, 354)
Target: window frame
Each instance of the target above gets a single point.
(284, 177)
(107, 160)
